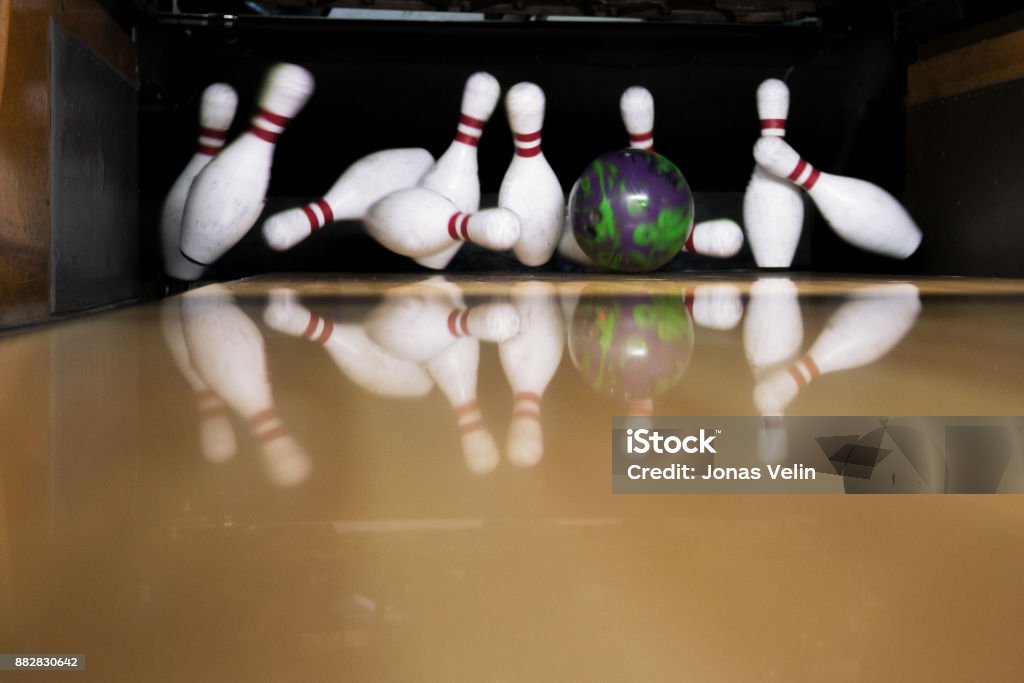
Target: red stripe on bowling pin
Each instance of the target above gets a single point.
(525, 146)
(211, 140)
(643, 141)
(469, 130)
(527, 405)
(458, 323)
(458, 226)
(774, 125)
(804, 175)
(210, 404)
(266, 426)
(803, 371)
(318, 214)
(314, 324)
(267, 125)
(468, 416)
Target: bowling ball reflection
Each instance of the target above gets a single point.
(631, 347)
(631, 210)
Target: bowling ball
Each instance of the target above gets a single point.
(631, 210)
(632, 347)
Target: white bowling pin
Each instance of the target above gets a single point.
(455, 371)
(718, 238)
(865, 328)
(456, 173)
(227, 351)
(530, 360)
(773, 330)
(773, 209)
(860, 212)
(637, 108)
(216, 437)
(418, 322)
(715, 306)
(216, 111)
(530, 188)
(228, 195)
(418, 222)
(355, 354)
(361, 185)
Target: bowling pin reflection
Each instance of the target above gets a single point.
(863, 330)
(227, 353)
(355, 354)
(773, 333)
(530, 359)
(216, 437)
(428, 323)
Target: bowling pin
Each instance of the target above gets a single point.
(456, 173)
(418, 322)
(216, 111)
(361, 360)
(530, 360)
(455, 372)
(418, 222)
(637, 108)
(860, 212)
(530, 188)
(216, 437)
(865, 328)
(228, 195)
(773, 210)
(773, 330)
(227, 352)
(718, 238)
(361, 185)
(715, 306)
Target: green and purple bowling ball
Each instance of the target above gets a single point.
(631, 210)
(633, 345)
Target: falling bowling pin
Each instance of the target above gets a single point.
(228, 195)
(418, 222)
(861, 213)
(456, 173)
(530, 188)
(216, 111)
(773, 209)
(718, 238)
(365, 182)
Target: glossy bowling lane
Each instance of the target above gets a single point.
(378, 479)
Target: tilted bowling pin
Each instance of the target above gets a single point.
(860, 212)
(418, 222)
(359, 358)
(456, 173)
(361, 185)
(718, 238)
(715, 306)
(530, 360)
(419, 321)
(216, 111)
(455, 371)
(228, 195)
(865, 328)
(530, 188)
(227, 351)
(637, 108)
(773, 330)
(216, 437)
(773, 209)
